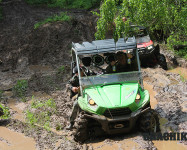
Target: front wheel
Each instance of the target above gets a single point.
(149, 122)
(162, 61)
(81, 133)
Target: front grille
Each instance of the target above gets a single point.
(117, 112)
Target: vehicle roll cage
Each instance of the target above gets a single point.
(104, 46)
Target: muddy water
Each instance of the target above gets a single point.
(152, 93)
(10, 140)
(169, 145)
(17, 108)
(126, 144)
(181, 71)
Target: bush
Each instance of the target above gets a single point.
(175, 40)
(6, 112)
(61, 17)
(20, 89)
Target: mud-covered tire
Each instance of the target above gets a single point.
(81, 132)
(162, 61)
(149, 122)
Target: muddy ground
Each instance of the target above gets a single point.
(38, 55)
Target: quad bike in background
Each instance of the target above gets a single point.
(110, 103)
(149, 53)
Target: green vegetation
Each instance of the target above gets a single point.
(40, 112)
(166, 17)
(1, 94)
(182, 53)
(182, 77)
(6, 112)
(62, 17)
(61, 69)
(81, 4)
(20, 89)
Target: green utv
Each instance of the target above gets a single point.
(110, 103)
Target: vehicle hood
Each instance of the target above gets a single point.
(116, 95)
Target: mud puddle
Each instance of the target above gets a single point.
(169, 145)
(181, 71)
(152, 93)
(123, 144)
(18, 108)
(10, 140)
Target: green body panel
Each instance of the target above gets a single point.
(113, 96)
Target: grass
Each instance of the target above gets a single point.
(62, 17)
(6, 112)
(40, 112)
(61, 69)
(20, 89)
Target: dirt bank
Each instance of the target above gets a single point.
(47, 45)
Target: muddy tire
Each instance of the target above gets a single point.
(81, 132)
(149, 122)
(162, 61)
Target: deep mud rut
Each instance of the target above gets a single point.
(36, 55)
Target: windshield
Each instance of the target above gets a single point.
(109, 68)
(106, 79)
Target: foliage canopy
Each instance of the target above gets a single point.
(166, 16)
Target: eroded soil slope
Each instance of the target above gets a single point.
(22, 45)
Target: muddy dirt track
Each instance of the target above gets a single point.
(36, 55)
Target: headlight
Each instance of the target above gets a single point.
(138, 98)
(91, 102)
(150, 47)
